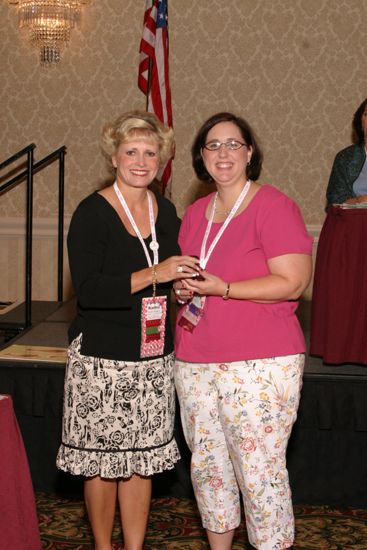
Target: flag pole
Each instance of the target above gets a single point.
(149, 83)
(155, 185)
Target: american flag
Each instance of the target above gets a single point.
(153, 79)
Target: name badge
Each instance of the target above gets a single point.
(153, 326)
(192, 313)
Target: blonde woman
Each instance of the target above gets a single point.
(119, 397)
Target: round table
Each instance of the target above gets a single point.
(18, 517)
(339, 301)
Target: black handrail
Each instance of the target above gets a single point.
(33, 168)
(17, 155)
(60, 238)
(28, 243)
(36, 166)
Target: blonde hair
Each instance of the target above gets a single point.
(137, 125)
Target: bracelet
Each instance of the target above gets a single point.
(154, 280)
(226, 294)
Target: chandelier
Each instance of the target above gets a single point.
(49, 24)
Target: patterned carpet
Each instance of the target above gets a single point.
(175, 525)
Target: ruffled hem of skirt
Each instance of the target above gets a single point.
(118, 464)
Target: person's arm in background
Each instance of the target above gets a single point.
(357, 200)
(338, 189)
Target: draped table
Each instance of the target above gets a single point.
(339, 302)
(18, 517)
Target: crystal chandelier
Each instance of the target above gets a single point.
(49, 24)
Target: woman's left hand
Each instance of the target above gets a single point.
(288, 277)
(207, 285)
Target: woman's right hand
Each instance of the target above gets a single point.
(177, 267)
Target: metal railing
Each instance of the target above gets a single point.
(27, 175)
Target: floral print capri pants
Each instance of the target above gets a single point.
(237, 418)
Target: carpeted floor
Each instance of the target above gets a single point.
(175, 525)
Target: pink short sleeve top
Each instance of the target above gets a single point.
(234, 330)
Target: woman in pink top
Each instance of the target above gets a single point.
(239, 346)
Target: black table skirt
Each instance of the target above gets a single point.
(327, 453)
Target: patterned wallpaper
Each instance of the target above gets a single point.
(295, 69)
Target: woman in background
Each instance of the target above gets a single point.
(119, 399)
(239, 346)
(348, 178)
(339, 301)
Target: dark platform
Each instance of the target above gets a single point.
(327, 453)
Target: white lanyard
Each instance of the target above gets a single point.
(154, 244)
(204, 258)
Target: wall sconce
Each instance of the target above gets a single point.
(49, 24)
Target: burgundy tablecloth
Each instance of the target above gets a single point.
(18, 517)
(339, 301)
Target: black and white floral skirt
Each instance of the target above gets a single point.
(118, 416)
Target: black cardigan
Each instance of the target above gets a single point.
(102, 256)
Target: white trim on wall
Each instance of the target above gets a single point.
(44, 259)
(314, 230)
(42, 227)
(48, 227)
(12, 258)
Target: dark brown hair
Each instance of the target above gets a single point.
(358, 132)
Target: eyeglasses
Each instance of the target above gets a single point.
(231, 145)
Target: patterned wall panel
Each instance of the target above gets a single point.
(295, 69)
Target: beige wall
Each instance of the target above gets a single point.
(296, 69)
